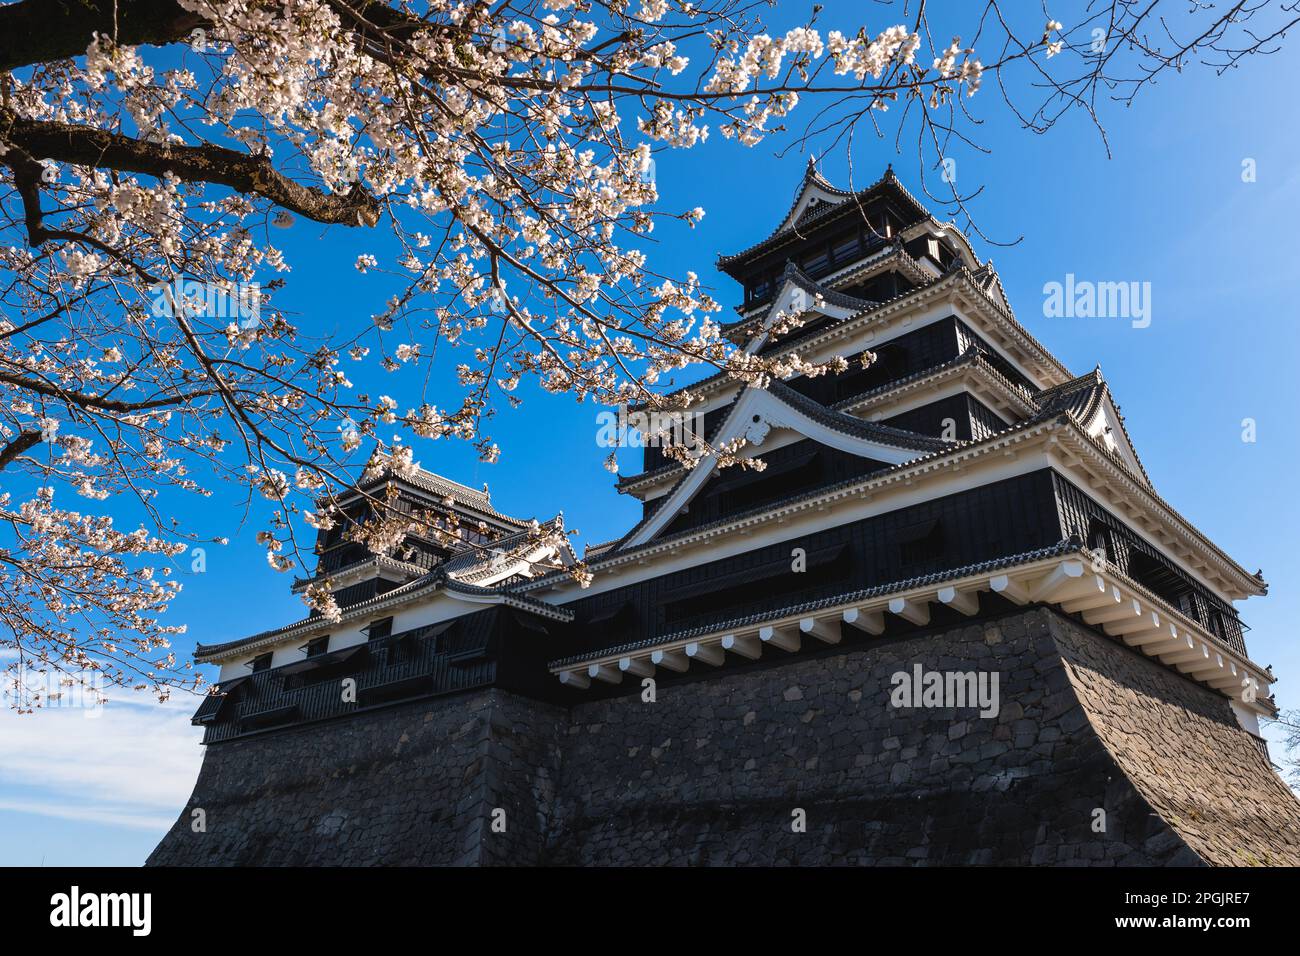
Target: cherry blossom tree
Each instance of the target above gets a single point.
(497, 153)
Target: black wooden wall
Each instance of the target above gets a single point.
(1004, 518)
(1139, 560)
(971, 418)
(792, 470)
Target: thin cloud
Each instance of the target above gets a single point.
(125, 766)
(108, 817)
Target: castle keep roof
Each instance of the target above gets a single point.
(817, 202)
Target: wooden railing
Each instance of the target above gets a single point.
(399, 667)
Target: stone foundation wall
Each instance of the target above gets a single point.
(404, 786)
(713, 771)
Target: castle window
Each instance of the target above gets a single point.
(1218, 626)
(439, 637)
(377, 629)
(1099, 537)
(1156, 576)
(1187, 604)
(261, 662)
(759, 585)
(882, 224)
(317, 646)
(815, 263)
(846, 248)
(616, 620)
(891, 363)
(779, 480)
(920, 543)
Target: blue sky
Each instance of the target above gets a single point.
(1169, 207)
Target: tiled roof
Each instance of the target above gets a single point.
(849, 425)
(1081, 398)
(475, 560)
(974, 355)
(479, 500)
(1250, 584)
(839, 421)
(374, 560)
(591, 550)
(1061, 548)
(810, 285)
(429, 583)
(886, 181)
(799, 337)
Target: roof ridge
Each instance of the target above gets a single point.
(972, 355)
(435, 578)
(1079, 381)
(976, 446)
(925, 445)
(815, 409)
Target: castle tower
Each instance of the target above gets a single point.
(949, 620)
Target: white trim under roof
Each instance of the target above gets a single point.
(975, 378)
(1056, 443)
(427, 483)
(1104, 597)
(790, 301)
(425, 589)
(861, 270)
(376, 566)
(923, 307)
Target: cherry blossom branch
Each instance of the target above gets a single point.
(256, 175)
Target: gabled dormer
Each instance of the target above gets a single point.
(802, 445)
(814, 196)
(799, 305)
(1088, 400)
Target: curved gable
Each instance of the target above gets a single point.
(755, 413)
